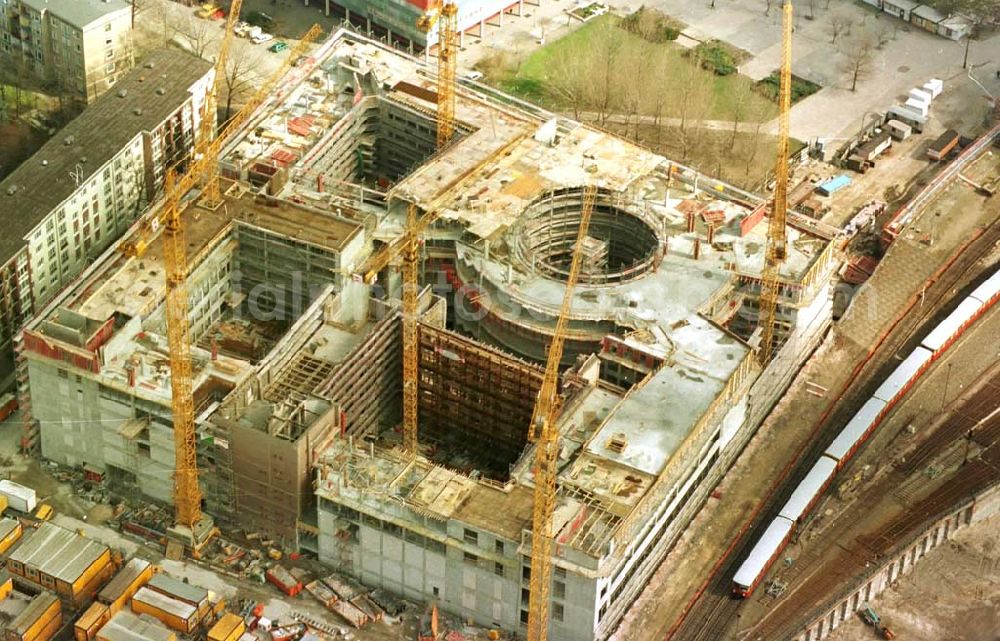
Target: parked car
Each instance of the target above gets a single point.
(261, 38)
(242, 28)
(278, 47)
(211, 11)
(474, 75)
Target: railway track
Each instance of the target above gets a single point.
(713, 611)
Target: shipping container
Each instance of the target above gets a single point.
(10, 533)
(934, 87)
(921, 95)
(126, 626)
(230, 627)
(86, 627)
(19, 497)
(912, 118)
(37, 622)
(898, 130)
(6, 584)
(173, 613)
(190, 594)
(943, 146)
(116, 594)
(55, 557)
(917, 106)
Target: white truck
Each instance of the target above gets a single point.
(19, 497)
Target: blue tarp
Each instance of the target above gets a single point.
(833, 185)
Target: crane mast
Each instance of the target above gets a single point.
(210, 197)
(544, 427)
(192, 527)
(446, 17)
(776, 233)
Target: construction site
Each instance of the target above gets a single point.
(426, 342)
(297, 341)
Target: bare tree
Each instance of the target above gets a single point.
(606, 50)
(767, 7)
(740, 103)
(884, 35)
(241, 74)
(568, 80)
(839, 23)
(858, 57)
(812, 9)
(198, 34)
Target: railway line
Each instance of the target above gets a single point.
(713, 611)
(885, 540)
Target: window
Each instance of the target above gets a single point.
(498, 546)
(560, 573)
(498, 568)
(559, 590)
(471, 558)
(471, 536)
(558, 611)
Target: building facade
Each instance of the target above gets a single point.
(82, 46)
(84, 188)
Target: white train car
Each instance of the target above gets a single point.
(810, 489)
(951, 327)
(856, 430)
(905, 375)
(989, 291)
(768, 547)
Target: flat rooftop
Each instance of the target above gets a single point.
(126, 626)
(94, 137)
(79, 13)
(60, 553)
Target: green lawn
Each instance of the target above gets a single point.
(528, 77)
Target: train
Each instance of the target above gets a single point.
(857, 430)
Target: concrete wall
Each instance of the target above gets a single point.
(478, 579)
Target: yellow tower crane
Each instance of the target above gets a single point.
(210, 197)
(193, 527)
(407, 247)
(445, 15)
(547, 445)
(777, 241)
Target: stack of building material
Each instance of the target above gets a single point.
(126, 626)
(91, 621)
(116, 594)
(38, 622)
(351, 602)
(173, 613)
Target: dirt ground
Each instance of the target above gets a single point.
(953, 594)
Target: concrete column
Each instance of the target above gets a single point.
(348, 15)
(501, 18)
(307, 2)
(520, 8)
(482, 26)
(327, 9)
(388, 38)
(461, 39)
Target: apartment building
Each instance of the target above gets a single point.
(84, 188)
(84, 46)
